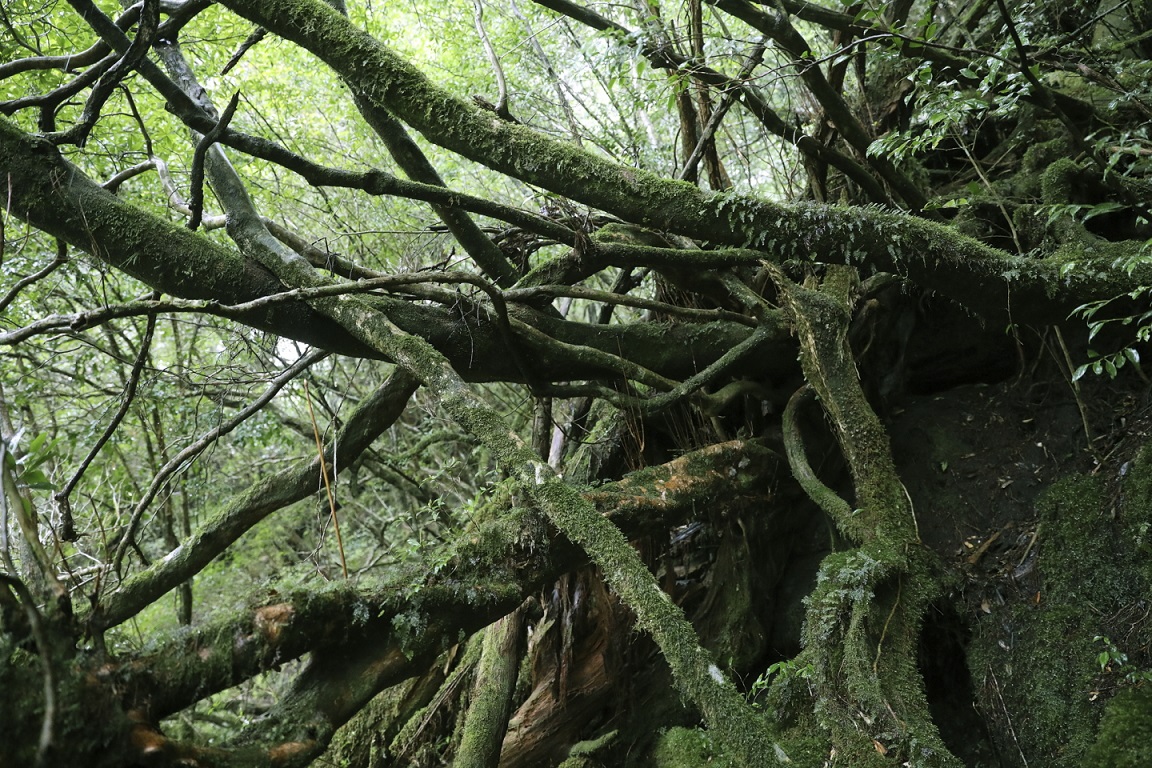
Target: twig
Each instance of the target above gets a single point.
(24, 282)
(327, 483)
(884, 634)
(67, 530)
(557, 84)
(750, 63)
(114, 183)
(196, 203)
(1007, 717)
(145, 34)
(181, 459)
(1076, 394)
(494, 60)
(79, 321)
(257, 35)
(690, 314)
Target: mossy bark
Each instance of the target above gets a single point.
(1034, 661)
(864, 616)
(492, 690)
(55, 196)
(697, 675)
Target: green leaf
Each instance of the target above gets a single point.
(1103, 208)
(35, 478)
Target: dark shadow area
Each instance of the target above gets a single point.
(948, 685)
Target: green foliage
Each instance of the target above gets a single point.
(27, 465)
(780, 673)
(424, 497)
(845, 579)
(1041, 659)
(944, 109)
(1112, 659)
(1099, 317)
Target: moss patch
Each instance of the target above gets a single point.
(1125, 732)
(689, 748)
(1033, 660)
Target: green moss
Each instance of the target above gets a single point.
(1057, 182)
(580, 762)
(1043, 154)
(1137, 509)
(1072, 521)
(1034, 663)
(88, 721)
(1125, 731)
(689, 748)
(1039, 663)
(629, 235)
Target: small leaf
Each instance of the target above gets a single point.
(38, 442)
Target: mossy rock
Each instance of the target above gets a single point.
(1125, 736)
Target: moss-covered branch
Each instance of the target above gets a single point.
(492, 691)
(864, 616)
(749, 95)
(56, 197)
(697, 676)
(348, 670)
(987, 280)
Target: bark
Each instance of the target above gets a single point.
(492, 691)
(864, 616)
(755, 273)
(54, 196)
(244, 512)
(351, 632)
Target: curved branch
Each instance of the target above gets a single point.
(931, 254)
(826, 498)
(196, 196)
(376, 414)
(501, 107)
(60, 260)
(135, 53)
(347, 671)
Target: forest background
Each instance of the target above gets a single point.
(534, 382)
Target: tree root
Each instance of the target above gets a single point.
(864, 616)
